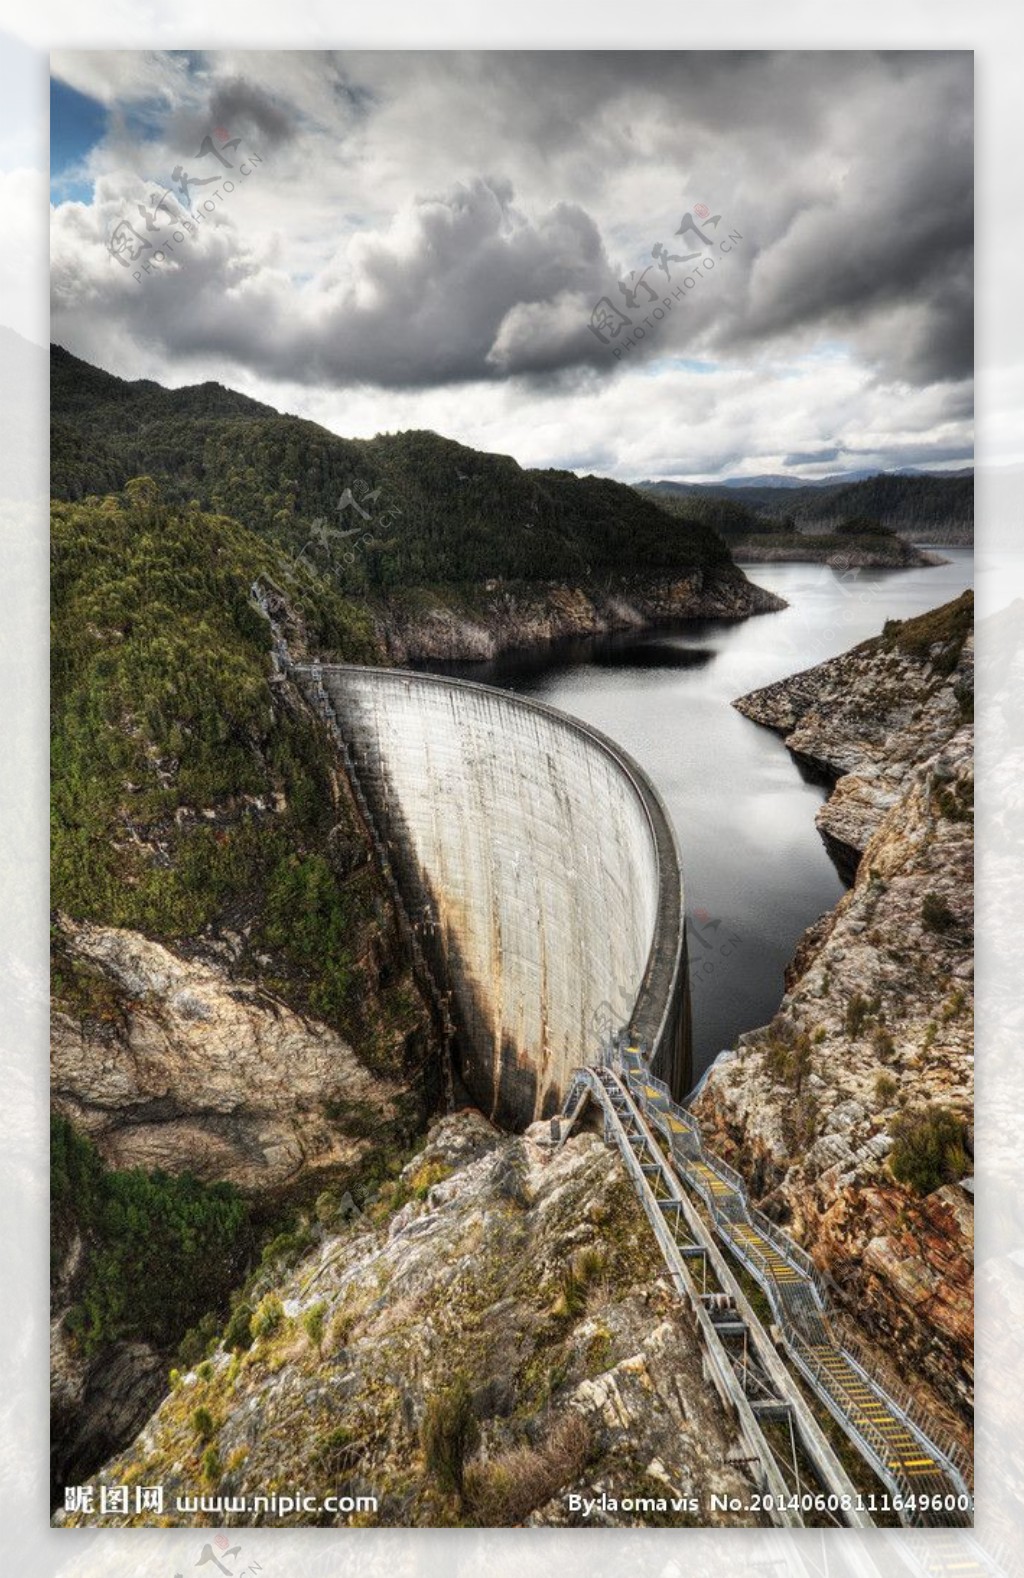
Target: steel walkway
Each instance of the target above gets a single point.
(782, 1443)
(929, 1484)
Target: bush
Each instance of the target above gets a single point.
(268, 1318)
(929, 1148)
(584, 1269)
(788, 1057)
(885, 1089)
(336, 1452)
(161, 1249)
(198, 1341)
(202, 1422)
(449, 1434)
(212, 1467)
(507, 1489)
(313, 1325)
(883, 1042)
(859, 1010)
(863, 526)
(936, 913)
(238, 1332)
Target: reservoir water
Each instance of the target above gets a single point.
(755, 870)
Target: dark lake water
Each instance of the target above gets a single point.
(756, 873)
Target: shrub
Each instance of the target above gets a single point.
(426, 1176)
(160, 1250)
(198, 1341)
(202, 1422)
(788, 1057)
(268, 1317)
(936, 913)
(335, 1452)
(449, 1434)
(859, 1010)
(583, 1270)
(883, 1042)
(212, 1468)
(287, 1248)
(313, 1324)
(238, 1331)
(885, 1089)
(507, 1489)
(344, 1324)
(862, 526)
(928, 1149)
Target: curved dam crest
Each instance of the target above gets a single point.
(540, 869)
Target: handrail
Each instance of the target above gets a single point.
(652, 1097)
(615, 1093)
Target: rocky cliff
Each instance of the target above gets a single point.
(181, 1065)
(191, 1067)
(494, 1334)
(479, 622)
(851, 1111)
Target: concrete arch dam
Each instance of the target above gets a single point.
(541, 872)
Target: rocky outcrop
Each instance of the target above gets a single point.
(192, 1069)
(873, 1039)
(501, 1308)
(481, 622)
(183, 1065)
(868, 718)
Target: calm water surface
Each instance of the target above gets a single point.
(755, 870)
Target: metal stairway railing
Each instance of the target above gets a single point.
(741, 1360)
(888, 1428)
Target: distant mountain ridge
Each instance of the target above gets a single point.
(834, 479)
(934, 505)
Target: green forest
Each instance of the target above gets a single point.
(185, 791)
(426, 511)
(160, 1251)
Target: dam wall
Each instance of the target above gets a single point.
(539, 868)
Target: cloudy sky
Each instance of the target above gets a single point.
(388, 240)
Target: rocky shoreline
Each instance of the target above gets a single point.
(866, 1071)
(481, 622)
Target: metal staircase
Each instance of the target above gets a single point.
(782, 1445)
(928, 1483)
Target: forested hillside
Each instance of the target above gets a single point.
(425, 510)
(187, 793)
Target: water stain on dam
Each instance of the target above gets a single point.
(541, 872)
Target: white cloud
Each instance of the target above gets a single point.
(427, 234)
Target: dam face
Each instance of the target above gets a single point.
(540, 869)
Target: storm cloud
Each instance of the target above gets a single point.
(429, 222)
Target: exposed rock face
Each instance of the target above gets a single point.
(867, 718)
(205, 1073)
(593, 1383)
(189, 1068)
(483, 622)
(876, 1021)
